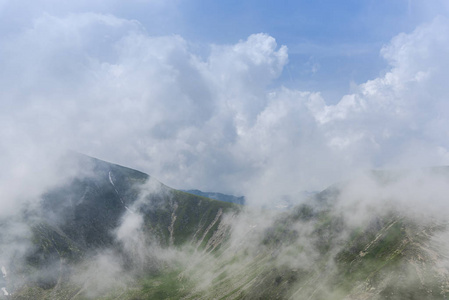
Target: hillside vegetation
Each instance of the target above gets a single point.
(117, 233)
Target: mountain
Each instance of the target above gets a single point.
(116, 233)
(82, 218)
(218, 196)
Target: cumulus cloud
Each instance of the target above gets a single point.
(103, 85)
(396, 115)
(94, 81)
(213, 119)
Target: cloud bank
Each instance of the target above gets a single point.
(213, 118)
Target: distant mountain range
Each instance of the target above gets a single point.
(116, 233)
(218, 196)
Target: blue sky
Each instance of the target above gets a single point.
(332, 44)
(226, 96)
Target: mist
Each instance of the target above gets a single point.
(225, 114)
(251, 245)
(216, 117)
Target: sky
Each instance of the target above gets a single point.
(265, 99)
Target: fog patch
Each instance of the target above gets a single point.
(102, 274)
(416, 194)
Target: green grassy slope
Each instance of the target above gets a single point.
(215, 250)
(79, 219)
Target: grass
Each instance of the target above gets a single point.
(165, 285)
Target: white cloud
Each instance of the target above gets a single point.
(102, 85)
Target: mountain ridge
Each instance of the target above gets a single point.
(82, 217)
(119, 233)
(218, 196)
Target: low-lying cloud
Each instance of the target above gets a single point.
(101, 85)
(214, 119)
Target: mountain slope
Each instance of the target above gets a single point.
(218, 196)
(83, 217)
(116, 233)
